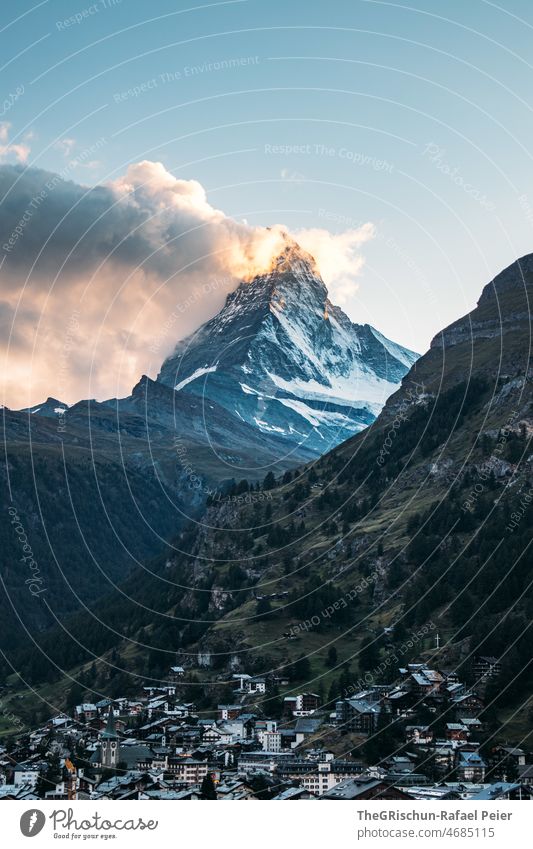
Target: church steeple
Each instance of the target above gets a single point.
(110, 732)
(110, 742)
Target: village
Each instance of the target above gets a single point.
(158, 746)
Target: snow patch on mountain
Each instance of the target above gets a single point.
(248, 389)
(358, 389)
(198, 373)
(265, 426)
(313, 416)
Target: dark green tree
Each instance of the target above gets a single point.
(207, 790)
(331, 658)
(269, 481)
(301, 669)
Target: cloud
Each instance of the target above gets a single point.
(103, 268)
(65, 146)
(90, 164)
(19, 152)
(338, 257)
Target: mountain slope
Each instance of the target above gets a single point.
(281, 357)
(422, 520)
(101, 487)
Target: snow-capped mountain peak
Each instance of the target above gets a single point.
(281, 356)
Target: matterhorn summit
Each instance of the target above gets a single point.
(281, 357)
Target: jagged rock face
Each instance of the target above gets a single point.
(281, 357)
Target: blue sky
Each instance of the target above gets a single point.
(314, 115)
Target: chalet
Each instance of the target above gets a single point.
(243, 727)
(504, 790)
(175, 673)
(471, 723)
(228, 711)
(424, 681)
(456, 731)
(377, 693)
(134, 708)
(243, 683)
(59, 722)
(455, 689)
(485, 667)
(220, 736)
(357, 715)
(292, 794)
(418, 734)
(85, 712)
(306, 703)
(303, 704)
(470, 766)
(451, 676)
(443, 754)
(191, 793)
(398, 702)
(366, 788)
(306, 726)
(469, 704)
(204, 724)
(26, 774)
(511, 754)
(188, 770)
(399, 764)
(236, 789)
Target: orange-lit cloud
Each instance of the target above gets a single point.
(337, 256)
(98, 284)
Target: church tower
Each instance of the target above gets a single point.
(109, 743)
